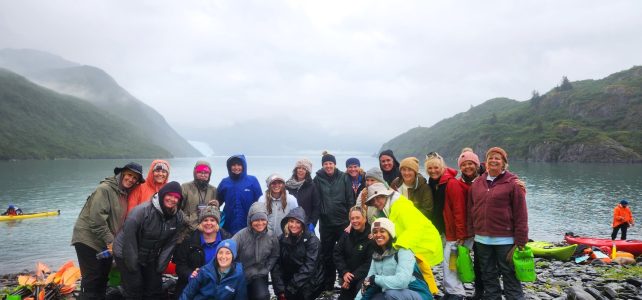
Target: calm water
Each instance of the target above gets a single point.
(561, 197)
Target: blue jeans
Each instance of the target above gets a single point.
(493, 264)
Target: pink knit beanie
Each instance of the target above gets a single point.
(468, 155)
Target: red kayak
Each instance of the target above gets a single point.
(632, 246)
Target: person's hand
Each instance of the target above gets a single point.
(194, 273)
(460, 242)
(282, 296)
(345, 285)
(213, 202)
(347, 230)
(110, 247)
(347, 277)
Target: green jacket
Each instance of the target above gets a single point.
(192, 198)
(420, 194)
(336, 196)
(102, 216)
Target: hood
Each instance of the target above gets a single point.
(257, 207)
(240, 157)
(150, 175)
(112, 181)
(297, 213)
(420, 179)
(199, 163)
(448, 174)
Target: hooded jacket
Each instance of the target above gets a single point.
(622, 214)
(145, 191)
(278, 212)
(149, 235)
(353, 253)
(102, 216)
(237, 194)
(307, 198)
(208, 284)
(258, 251)
(393, 270)
(420, 194)
(300, 266)
(193, 197)
(190, 255)
(336, 197)
(498, 209)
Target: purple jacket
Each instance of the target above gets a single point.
(498, 209)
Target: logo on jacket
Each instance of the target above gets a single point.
(360, 248)
(229, 288)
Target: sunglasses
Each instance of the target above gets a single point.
(432, 154)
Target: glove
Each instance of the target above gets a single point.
(311, 227)
(282, 296)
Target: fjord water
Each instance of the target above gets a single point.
(561, 198)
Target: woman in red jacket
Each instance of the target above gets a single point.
(499, 221)
(622, 219)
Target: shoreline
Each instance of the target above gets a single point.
(555, 280)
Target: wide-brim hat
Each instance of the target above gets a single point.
(134, 167)
(377, 189)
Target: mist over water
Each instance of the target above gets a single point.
(561, 198)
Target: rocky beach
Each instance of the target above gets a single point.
(555, 280)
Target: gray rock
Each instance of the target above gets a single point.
(609, 292)
(578, 293)
(634, 281)
(595, 293)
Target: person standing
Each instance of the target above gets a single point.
(99, 220)
(389, 165)
(197, 194)
(622, 219)
(201, 246)
(414, 186)
(156, 177)
(499, 221)
(237, 191)
(356, 175)
(278, 202)
(337, 197)
(300, 186)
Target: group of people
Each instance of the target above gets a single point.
(381, 231)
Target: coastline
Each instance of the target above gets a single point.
(555, 280)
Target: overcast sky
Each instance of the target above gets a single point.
(337, 65)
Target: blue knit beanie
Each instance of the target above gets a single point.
(353, 161)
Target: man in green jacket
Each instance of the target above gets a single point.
(97, 224)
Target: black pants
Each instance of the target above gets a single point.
(95, 273)
(479, 282)
(351, 293)
(493, 264)
(329, 237)
(257, 289)
(143, 283)
(624, 227)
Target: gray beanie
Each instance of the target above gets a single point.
(376, 174)
(210, 211)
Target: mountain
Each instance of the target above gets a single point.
(582, 121)
(37, 123)
(97, 87)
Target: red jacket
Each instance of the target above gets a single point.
(498, 210)
(454, 207)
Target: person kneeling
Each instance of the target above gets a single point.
(391, 271)
(221, 279)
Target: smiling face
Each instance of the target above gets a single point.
(357, 220)
(170, 201)
(329, 168)
(353, 171)
(408, 175)
(160, 176)
(300, 173)
(224, 258)
(209, 225)
(295, 227)
(434, 168)
(236, 168)
(469, 169)
(380, 236)
(370, 181)
(379, 202)
(259, 225)
(494, 164)
(129, 179)
(386, 162)
(276, 187)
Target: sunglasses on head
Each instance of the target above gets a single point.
(432, 154)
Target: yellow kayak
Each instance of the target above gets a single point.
(29, 216)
